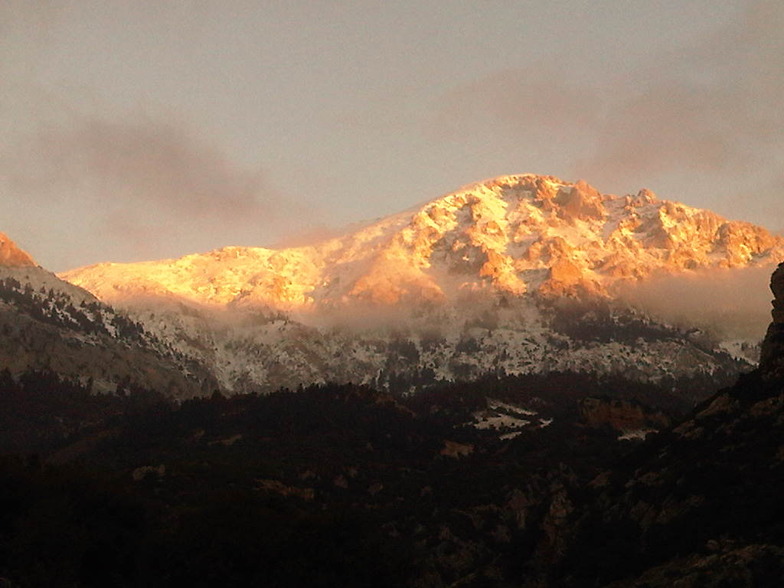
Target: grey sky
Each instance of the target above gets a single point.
(144, 129)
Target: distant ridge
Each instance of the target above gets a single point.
(50, 326)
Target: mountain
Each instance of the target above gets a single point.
(516, 274)
(48, 325)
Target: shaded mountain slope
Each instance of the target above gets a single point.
(530, 481)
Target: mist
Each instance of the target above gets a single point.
(731, 304)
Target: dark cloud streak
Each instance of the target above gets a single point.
(144, 163)
(155, 185)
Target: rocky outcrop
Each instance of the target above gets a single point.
(514, 236)
(772, 356)
(12, 256)
(624, 416)
(777, 287)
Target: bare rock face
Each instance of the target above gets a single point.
(772, 357)
(11, 255)
(621, 415)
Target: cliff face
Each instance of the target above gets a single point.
(772, 357)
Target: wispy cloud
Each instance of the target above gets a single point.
(530, 100)
(140, 162)
(709, 109)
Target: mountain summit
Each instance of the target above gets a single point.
(484, 279)
(50, 329)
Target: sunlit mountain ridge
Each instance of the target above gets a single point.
(511, 236)
(12, 256)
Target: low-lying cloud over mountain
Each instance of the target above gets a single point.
(516, 274)
(731, 304)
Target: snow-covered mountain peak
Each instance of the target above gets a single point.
(511, 235)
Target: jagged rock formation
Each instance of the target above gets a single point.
(508, 236)
(468, 284)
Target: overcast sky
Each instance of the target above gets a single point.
(137, 129)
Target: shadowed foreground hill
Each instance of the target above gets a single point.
(326, 486)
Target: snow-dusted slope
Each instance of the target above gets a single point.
(47, 324)
(465, 284)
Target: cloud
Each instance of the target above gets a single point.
(153, 185)
(533, 100)
(78, 169)
(710, 110)
(714, 108)
(139, 163)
